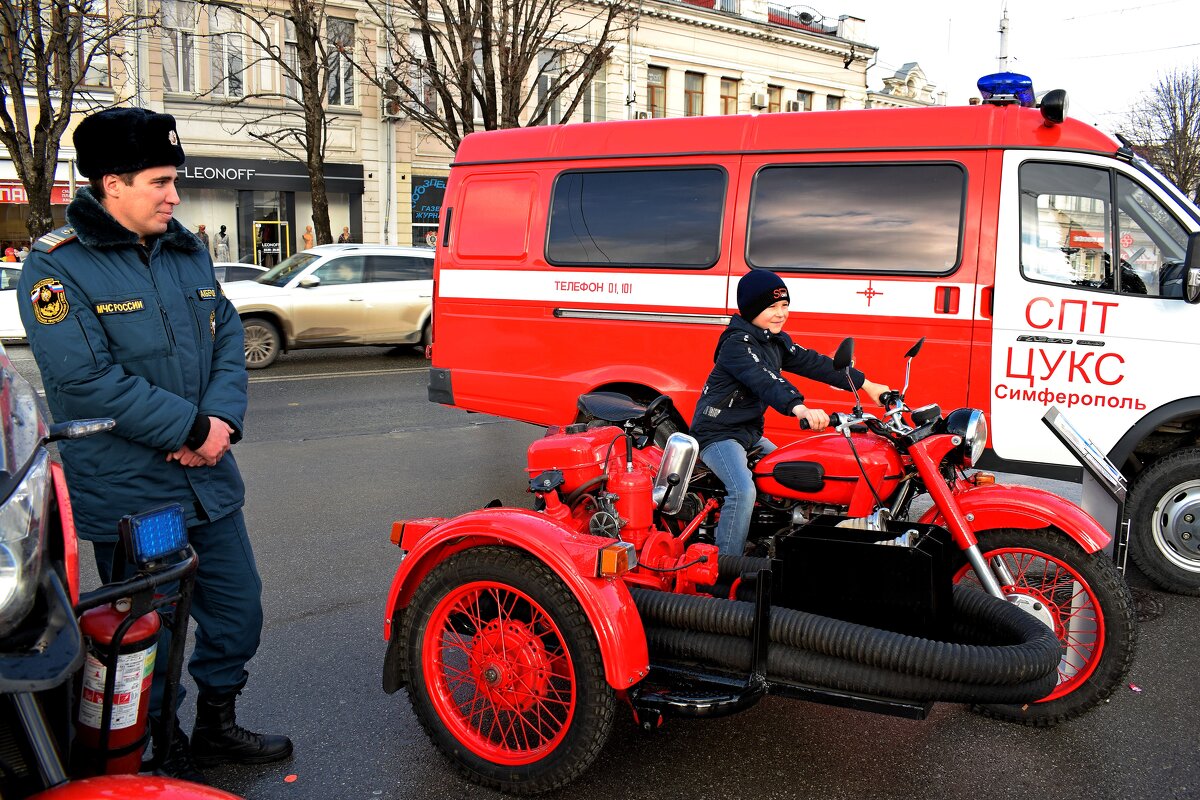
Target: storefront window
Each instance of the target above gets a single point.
(427, 194)
(14, 209)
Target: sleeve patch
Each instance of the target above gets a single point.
(49, 300)
(206, 294)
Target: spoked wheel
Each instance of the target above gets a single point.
(1083, 598)
(504, 671)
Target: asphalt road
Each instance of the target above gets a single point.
(341, 443)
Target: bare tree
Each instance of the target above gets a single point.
(1165, 128)
(313, 54)
(52, 54)
(455, 67)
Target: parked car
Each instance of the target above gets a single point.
(336, 295)
(230, 271)
(11, 327)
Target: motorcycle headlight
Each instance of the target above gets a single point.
(971, 426)
(22, 531)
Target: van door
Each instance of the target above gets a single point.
(881, 247)
(1087, 314)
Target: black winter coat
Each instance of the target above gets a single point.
(748, 377)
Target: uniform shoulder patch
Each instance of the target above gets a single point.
(54, 239)
(49, 300)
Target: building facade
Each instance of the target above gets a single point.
(384, 174)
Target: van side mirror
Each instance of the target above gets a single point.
(1191, 270)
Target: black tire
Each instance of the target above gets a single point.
(262, 342)
(1164, 514)
(496, 619)
(1053, 570)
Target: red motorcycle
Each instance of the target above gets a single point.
(75, 667)
(515, 631)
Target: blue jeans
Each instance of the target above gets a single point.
(226, 605)
(727, 459)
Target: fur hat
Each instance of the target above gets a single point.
(758, 290)
(119, 140)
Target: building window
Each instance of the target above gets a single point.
(90, 56)
(340, 36)
(179, 45)
(804, 99)
(291, 57)
(774, 99)
(595, 97)
(637, 218)
(729, 96)
(656, 91)
(876, 218)
(833, 102)
(419, 76)
(226, 62)
(693, 94)
(547, 79)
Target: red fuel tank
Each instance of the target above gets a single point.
(580, 456)
(822, 469)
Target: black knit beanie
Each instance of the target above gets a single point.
(757, 290)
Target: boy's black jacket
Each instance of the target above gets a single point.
(748, 376)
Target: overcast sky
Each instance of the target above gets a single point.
(1103, 52)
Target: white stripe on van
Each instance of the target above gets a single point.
(680, 291)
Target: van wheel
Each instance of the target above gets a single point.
(1164, 514)
(262, 343)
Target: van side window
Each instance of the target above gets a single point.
(1152, 243)
(637, 217)
(884, 218)
(1067, 233)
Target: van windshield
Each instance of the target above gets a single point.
(283, 272)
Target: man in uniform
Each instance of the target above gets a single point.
(126, 320)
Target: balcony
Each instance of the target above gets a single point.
(724, 6)
(800, 20)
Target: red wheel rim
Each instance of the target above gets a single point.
(499, 673)
(1078, 618)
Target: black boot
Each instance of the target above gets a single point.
(176, 761)
(218, 739)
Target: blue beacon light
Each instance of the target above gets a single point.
(1000, 86)
(157, 533)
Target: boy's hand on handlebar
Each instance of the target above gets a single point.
(816, 419)
(874, 390)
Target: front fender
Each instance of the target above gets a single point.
(571, 556)
(1008, 506)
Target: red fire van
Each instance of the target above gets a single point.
(1044, 262)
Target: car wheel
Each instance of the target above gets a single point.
(262, 343)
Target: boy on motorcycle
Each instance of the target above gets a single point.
(750, 357)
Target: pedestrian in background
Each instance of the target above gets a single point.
(126, 320)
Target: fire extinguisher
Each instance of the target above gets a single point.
(121, 750)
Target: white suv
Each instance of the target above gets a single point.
(336, 295)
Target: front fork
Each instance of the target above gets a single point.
(991, 576)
